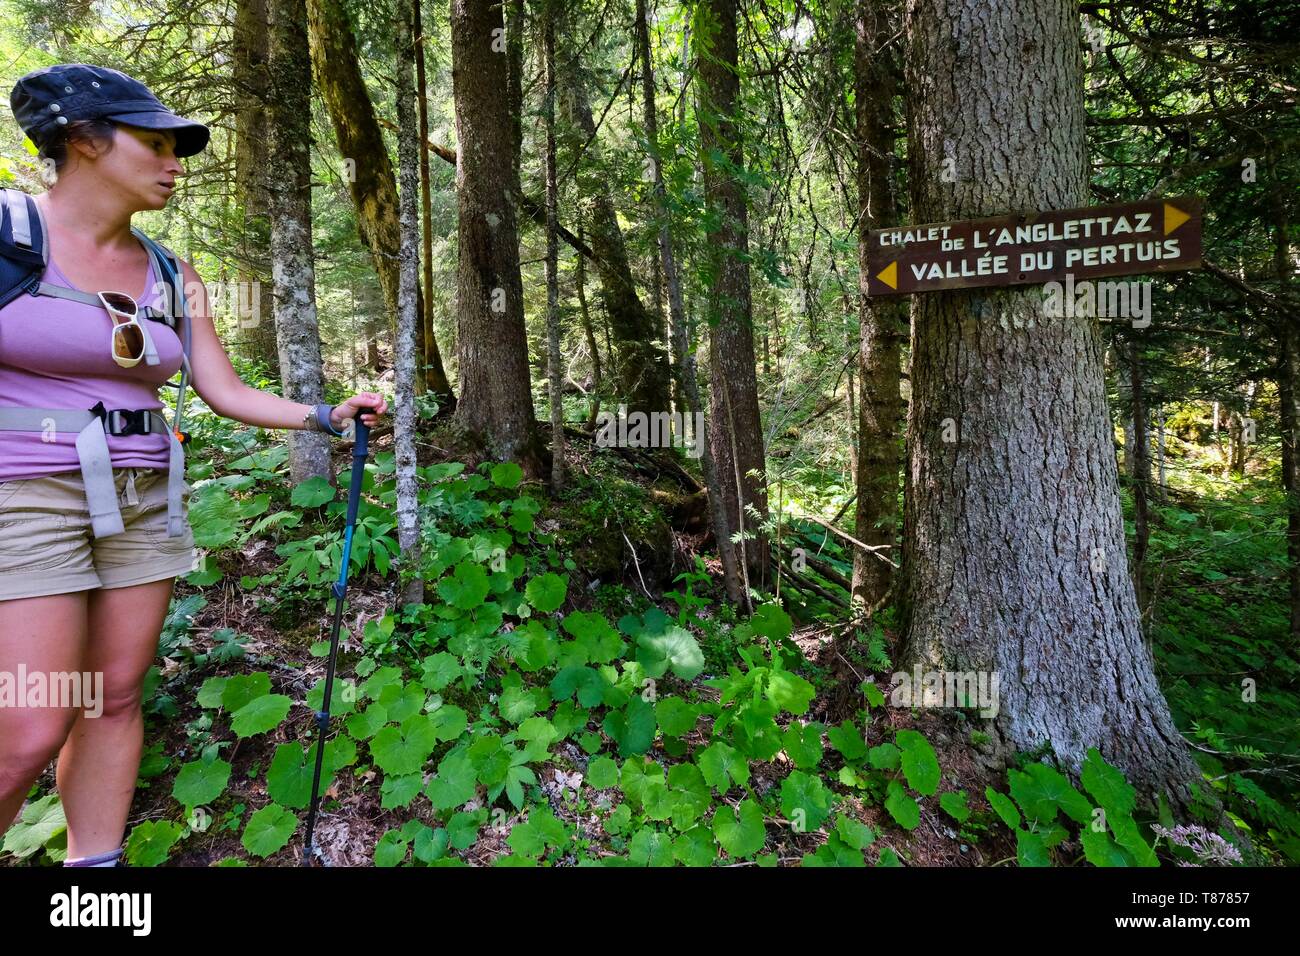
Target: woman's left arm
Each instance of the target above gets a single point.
(217, 383)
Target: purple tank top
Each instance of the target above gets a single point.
(55, 353)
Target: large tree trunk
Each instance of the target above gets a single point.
(641, 367)
(1014, 544)
(496, 400)
(408, 316)
(736, 433)
(371, 179)
(684, 357)
(879, 320)
(251, 82)
(288, 114)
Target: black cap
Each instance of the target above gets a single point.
(54, 96)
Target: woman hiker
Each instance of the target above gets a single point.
(93, 525)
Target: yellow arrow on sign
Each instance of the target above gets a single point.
(1174, 217)
(889, 276)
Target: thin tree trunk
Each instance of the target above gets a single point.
(880, 320)
(1161, 477)
(255, 306)
(298, 337)
(496, 400)
(408, 316)
(737, 434)
(432, 357)
(1014, 551)
(554, 366)
(580, 280)
(681, 338)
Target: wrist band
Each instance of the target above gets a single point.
(323, 413)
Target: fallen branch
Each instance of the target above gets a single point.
(869, 548)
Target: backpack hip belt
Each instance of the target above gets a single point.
(23, 257)
(91, 427)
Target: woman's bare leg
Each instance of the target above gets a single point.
(46, 636)
(99, 763)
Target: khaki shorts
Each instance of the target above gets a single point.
(46, 546)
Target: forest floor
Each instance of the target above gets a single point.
(634, 528)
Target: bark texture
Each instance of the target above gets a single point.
(1014, 545)
(408, 316)
(880, 320)
(735, 430)
(292, 258)
(251, 82)
(683, 355)
(496, 400)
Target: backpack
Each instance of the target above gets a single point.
(24, 254)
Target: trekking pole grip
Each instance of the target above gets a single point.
(360, 450)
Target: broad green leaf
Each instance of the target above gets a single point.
(695, 847)
(803, 742)
(920, 766)
(722, 765)
(1003, 807)
(602, 773)
(454, 783)
(954, 804)
(312, 493)
(901, 806)
(633, 728)
(401, 751)
(268, 830)
(400, 791)
(772, 622)
(673, 647)
(650, 847)
(790, 692)
(391, 849)
(39, 822)
(240, 689)
(847, 739)
(151, 841)
(1030, 850)
(741, 833)
(805, 801)
(546, 592)
(288, 781)
(368, 722)
(1099, 849)
(467, 586)
(260, 715)
(1107, 785)
(675, 716)
(507, 475)
(200, 782)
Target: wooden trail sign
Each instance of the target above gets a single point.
(1160, 235)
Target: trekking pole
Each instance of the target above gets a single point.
(339, 588)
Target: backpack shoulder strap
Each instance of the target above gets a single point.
(167, 266)
(23, 250)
